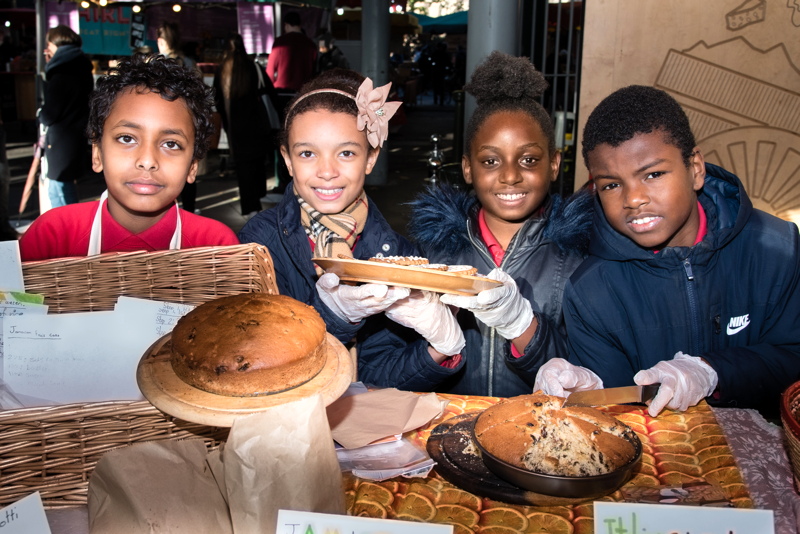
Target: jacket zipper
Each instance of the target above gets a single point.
(692, 298)
(492, 331)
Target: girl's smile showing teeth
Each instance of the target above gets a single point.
(510, 197)
(328, 193)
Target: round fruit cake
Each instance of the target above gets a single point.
(535, 432)
(249, 344)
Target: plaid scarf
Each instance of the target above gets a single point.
(334, 234)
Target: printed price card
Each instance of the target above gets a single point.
(630, 518)
(291, 522)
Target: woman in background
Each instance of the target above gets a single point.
(244, 117)
(68, 84)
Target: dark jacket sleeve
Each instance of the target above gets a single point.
(298, 284)
(390, 355)
(754, 376)
(547, 342)
(589, 345)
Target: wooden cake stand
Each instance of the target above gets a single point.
(162, 387)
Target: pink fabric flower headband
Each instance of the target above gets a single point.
(374, 111)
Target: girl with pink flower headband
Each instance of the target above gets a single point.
(333, 133)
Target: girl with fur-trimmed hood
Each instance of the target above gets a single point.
(511, 228)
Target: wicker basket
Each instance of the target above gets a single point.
(790, 416)
(53, 450)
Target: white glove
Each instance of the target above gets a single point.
(353, 303)
(503, 308)
(685, 381)
(425, 313)
(560, 378)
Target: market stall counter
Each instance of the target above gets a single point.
(734, 450)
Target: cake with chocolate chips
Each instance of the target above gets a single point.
(535, 432)
(249, 344)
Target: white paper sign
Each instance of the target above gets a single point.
(26, 516)
(158, 318)
(74, 357)
(292, 522)
(631, 518)
(10, 267)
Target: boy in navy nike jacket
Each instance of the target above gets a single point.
(687, 284)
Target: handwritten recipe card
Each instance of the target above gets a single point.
(83, 357)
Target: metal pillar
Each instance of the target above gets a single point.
(492, 25)
(375, 28)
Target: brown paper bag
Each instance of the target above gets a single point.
(283, 458)
(158, 486)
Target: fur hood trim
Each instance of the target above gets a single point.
(439, 217)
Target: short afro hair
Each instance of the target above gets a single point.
(638, 109)
(156, 74)
(507, 83)
(345, 80)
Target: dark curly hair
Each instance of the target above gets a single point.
(507, 83)
(157, 74)
(342, 79)
(633, 110)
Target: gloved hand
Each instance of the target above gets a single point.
(425, 313)
(685, 381)
(503, 308)
(560, 378)
(353, 303)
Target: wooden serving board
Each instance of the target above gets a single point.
(162, 387)
(678, 448)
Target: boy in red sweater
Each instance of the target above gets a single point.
(149, 124)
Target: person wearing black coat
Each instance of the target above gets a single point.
(65, 113)
(244, 117)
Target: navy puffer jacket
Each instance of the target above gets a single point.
(389, 355)
(733, 299)
(540, 258)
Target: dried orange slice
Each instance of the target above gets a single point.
(629, 418)
(497, 529)
(648, 458)
(709, 441)
(676, 457)
(504, 517)
(714, 450)
(563, 511)
(668, 436)
(734, 491)
(425, 490)
(666, 424)
(543, 523)
(714, 462)
(647, 469)
(370, 509)
(704, 430)
(415, 507)
(457, 496)
(583, 525)
(643, 479)
(587, 509)
(677, 448)
(691, 469)
(349, 500)
(460, 529)
(743, 502)
(455, 513)
(724, 475)
(676, 477)
(371, 492)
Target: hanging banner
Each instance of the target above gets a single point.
(256, 26)
(106, 30)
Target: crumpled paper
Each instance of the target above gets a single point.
(281, 458)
